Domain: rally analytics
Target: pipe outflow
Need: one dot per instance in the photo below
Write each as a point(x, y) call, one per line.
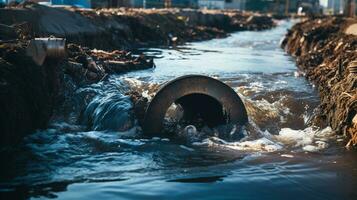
point(41, 48)
point(215, 102)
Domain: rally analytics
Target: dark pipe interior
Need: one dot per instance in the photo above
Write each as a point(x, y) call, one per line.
point(200, 109)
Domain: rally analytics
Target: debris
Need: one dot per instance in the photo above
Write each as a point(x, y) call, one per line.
point(87, 66)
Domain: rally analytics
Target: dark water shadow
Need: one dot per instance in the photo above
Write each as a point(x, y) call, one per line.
point(46, 190)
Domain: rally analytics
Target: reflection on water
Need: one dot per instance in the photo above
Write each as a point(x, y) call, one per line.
point(97, 150)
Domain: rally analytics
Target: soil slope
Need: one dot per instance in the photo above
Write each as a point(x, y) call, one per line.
point(324, 50)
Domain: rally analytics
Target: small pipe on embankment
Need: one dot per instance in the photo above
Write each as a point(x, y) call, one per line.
point(325, 51)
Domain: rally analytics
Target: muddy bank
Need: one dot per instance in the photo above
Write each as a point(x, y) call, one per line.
point(30, 93)
point(128, 28)
point(324, 50)
point(27, 93)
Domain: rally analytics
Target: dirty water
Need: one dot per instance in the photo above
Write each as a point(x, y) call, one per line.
point(101, 152)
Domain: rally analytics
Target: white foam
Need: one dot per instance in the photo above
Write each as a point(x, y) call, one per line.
point(295, 137)
point(262, 144)
point(145, 94)
point(133, 82)
point(309, 139)
point(287, 155)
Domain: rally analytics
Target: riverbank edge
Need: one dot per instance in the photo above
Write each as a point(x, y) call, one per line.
point(31, 93)
point(324, 50)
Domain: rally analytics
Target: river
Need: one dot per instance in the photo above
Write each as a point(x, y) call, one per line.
point(100, 153)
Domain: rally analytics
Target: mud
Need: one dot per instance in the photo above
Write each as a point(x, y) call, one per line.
point(324, 52)
point(30, 94)
point(27, 92)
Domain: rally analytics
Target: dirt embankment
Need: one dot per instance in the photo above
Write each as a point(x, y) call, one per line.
point(29, 93)
point(127, 28)
point(324, 50)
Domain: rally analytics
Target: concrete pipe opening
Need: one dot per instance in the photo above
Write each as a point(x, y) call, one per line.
point(200, 98)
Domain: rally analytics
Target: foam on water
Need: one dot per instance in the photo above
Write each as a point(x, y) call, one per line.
point(310, 140)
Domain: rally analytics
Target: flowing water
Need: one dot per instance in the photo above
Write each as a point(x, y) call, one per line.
point(97, 151)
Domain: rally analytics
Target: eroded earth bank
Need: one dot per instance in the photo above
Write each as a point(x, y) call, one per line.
point(325, 51)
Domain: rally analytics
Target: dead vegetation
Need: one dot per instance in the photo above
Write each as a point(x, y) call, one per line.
point(324, 53)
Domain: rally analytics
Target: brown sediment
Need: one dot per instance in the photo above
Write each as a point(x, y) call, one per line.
point(324, 52)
